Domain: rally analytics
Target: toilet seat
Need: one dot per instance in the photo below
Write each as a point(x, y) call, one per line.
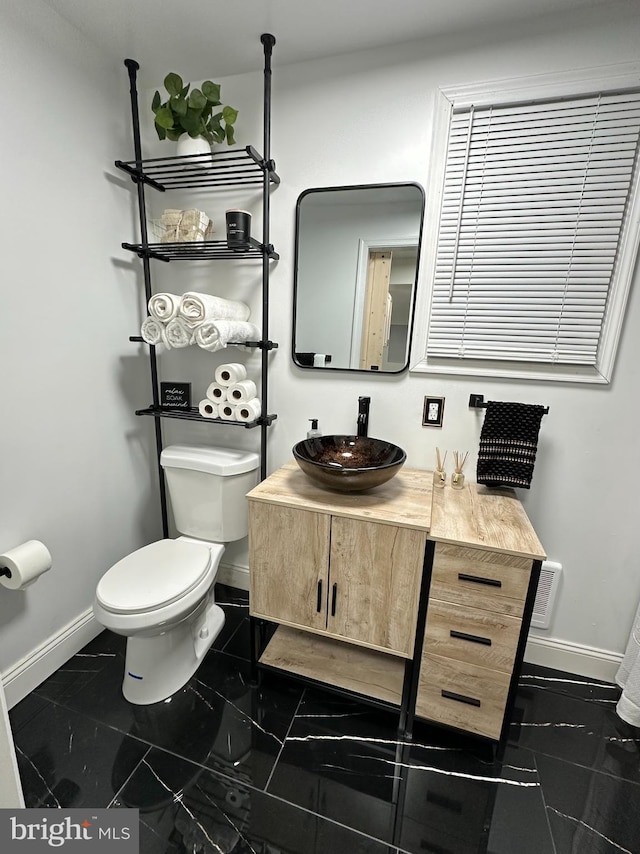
point(115, 609)
point(154, 576)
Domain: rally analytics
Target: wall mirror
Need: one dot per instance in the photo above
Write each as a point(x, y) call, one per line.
point(356, 264)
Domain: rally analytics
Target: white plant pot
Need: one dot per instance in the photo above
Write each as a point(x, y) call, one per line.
point(187, 145)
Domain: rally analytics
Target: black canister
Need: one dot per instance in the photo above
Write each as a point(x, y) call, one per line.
point(238, 229)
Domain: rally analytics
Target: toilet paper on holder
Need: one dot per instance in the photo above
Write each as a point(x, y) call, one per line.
point(24, 564)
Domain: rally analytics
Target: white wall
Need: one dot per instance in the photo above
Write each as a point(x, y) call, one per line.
point(75, 461)
point(367, 118)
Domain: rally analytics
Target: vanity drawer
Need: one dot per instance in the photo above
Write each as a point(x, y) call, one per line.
point(462, 695)
point(491, 581)
point(472, 635)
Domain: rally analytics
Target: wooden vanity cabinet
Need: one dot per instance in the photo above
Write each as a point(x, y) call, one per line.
point(340, 576)
point(477, 603)
point(471, 637)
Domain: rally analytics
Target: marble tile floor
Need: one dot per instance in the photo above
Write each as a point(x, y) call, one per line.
point(227, 767)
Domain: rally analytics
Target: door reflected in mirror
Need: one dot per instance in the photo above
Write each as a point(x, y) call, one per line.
point(357, 256)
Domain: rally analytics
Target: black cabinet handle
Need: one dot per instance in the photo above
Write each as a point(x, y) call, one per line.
point(319, 600)
point(473, 638)
point(460, 698)
point(334, 593)
point(478, 579)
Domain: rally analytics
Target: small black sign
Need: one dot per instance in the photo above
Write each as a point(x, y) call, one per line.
point(175, 395)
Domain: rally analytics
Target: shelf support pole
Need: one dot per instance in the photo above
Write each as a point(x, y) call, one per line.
point(132, 68)
point(268, 42)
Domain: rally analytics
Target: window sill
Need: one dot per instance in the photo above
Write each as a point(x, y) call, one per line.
point(510, 370)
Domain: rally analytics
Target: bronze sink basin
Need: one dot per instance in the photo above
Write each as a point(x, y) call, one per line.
point(348, 463)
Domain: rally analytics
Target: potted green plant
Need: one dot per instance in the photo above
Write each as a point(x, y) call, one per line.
point(190, 112)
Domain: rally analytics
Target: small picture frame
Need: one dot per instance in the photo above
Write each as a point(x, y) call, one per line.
point(175, 395)
point(433, 412)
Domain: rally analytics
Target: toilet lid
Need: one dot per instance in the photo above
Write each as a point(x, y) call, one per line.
point(153, 576)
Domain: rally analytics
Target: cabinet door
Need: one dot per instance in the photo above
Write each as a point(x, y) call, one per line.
point(289, 564)
point(374, 584)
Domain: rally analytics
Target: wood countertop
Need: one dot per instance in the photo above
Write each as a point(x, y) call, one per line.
point(476, 516)
point(405, 500)
point(484, 518)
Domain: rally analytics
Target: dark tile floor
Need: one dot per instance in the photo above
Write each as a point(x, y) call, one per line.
point(224, 767)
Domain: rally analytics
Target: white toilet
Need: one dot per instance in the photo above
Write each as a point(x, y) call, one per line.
point(161, 596)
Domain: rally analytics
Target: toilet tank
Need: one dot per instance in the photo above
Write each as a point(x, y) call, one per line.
point(207, 488)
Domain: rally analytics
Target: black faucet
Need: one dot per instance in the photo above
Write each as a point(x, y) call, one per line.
point(363, 415)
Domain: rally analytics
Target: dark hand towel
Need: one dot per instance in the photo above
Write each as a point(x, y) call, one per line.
point(508, 444)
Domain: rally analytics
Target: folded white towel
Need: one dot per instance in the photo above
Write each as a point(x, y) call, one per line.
point(153, 332)
point(230, 373)
point(197, 308)
point(213, 335)
point(242, 392)
point(164, 306)
point(248, 411)
point(179, 333)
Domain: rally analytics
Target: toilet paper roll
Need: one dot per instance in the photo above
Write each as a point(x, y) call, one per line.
point(230, 373)
point(242, 392)
point(24, 564)
point(227, 411)
point(207, 408)
point(217, 393)
point(248, 411)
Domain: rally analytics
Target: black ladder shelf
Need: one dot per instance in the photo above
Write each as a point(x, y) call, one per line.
point(242, 167)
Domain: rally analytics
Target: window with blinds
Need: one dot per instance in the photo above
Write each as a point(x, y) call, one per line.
point(535, 200)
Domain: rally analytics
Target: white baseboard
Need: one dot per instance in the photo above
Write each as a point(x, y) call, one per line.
point(234, 576)
point(572, 657)
point(21, 679)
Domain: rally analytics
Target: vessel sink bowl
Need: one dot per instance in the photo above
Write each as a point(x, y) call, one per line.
point(348, 463)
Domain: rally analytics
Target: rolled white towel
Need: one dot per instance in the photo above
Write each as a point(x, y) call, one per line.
point(197, 308)
point(230, 373)
point(213, 335)
point(179, 333)
point(153, 332)
point(248, 411)
point(242, 392)
point(164, 306)
point(227, 411)
point(217, 393)
point(207, 408)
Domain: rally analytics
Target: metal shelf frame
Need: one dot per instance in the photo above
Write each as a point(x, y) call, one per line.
point(206, 250)
point(243, 167)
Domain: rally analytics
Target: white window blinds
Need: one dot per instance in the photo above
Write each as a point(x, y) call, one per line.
point(533, 207)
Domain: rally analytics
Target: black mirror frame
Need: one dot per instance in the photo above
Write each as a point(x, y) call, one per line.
point(313, 190)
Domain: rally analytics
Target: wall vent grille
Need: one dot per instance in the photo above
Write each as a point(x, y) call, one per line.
point(546, 595)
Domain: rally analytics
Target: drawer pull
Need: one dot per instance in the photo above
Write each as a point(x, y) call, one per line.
point(478, 579)
point(319, 601)
point(334, 593)
point(473, 638)
point(460, 698)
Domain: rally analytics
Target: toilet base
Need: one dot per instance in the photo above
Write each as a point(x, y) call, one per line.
point(158, 666)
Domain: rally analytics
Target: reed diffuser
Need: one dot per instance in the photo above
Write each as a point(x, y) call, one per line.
point(457, 478)
point(440, 476)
